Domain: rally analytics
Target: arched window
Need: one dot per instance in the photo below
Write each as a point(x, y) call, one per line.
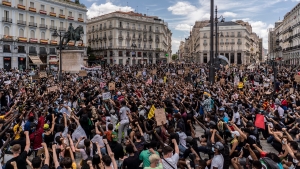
point(43, 35)
point(6, 30)
point(32, 34)
point(21, 33)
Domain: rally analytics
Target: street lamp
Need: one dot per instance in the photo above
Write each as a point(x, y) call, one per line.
point(55, 35)
point(211, 66)
point(217, 43)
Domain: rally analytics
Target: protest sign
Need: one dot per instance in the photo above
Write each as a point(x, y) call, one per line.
point(102, 84)
point(297, 78)
point(82, 73)
point(154, 72)
point(106, 96)
point(112, 86)
point(139, 73)
point(180, 72)
point(259, 121)
point(291, 90)
point(43, 74)
point(256, 84)
point(78, 132)
point(52, 89)
point(160, 116)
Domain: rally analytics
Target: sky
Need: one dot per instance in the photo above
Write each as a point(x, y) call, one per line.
point(181, 15)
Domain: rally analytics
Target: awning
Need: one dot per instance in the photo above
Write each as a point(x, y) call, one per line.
point(53, 61)
point(36, 60)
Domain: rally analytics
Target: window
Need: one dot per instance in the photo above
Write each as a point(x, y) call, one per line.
point(61, 12)
point(110, 33)
point(43, 21)
point(120, 43)
point(43, 35)
point(80, 15)
point(6, 30)
point(21, 2)
point(52, 22)
point(32, 50)
point(52, 51)
point(139, 46)
point(120, 32)
point(21, 49)
point(156, 45)
point(120, 24)
point(42, 7)
point(150, 46)
point(32, 19)
point(120, 53)
point(127, 34)
point(70, 13)
point(32, 34)
point(21, 33)
point(52, 9)
point(6, 14)
point(32, 4)
point(150, 28)
point(6, 48)
point(61, 24)
point(20, 17)
point(145, 45)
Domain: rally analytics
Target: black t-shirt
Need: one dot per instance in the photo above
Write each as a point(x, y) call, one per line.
point(117, 149)
point(132, 162)
point(21, 141)
point(20, 160)
point(45, 166)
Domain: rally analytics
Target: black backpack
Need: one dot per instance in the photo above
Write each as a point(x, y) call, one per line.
point(269, 163)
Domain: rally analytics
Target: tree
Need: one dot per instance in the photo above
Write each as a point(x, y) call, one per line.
point(174, 57)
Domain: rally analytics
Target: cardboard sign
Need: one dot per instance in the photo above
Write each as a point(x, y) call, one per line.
point(297, 78)
point(35, 77)
point(82, 73)
point(291, 90)
point(43, 74)
point(160, 116)
point(180, 72)
point(256, 84)
point(106, 96)
point(226, 67)
point(222, 81)
point(78, 132)
point(139, 74)
point(154, 72)
point(168, 73)
point(52, 89)
point(112, 86)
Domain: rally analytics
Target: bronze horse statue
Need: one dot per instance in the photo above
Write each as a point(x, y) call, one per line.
point(76, 35)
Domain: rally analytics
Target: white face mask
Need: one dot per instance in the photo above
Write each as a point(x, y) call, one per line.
point(206, 119)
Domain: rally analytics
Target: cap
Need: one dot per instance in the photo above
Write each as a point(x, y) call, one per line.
point(46, 126)
point(189, 139)
point(112, 111)
point(141, 106)
point(212, 123)
point(222, 109)
point(219, 146)
point(114, 136)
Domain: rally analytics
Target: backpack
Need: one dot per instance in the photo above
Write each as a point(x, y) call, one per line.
point(268, 163)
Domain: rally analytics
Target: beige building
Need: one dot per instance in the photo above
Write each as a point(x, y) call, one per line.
point(27, 26)
point(284, 39)
point(129, 38)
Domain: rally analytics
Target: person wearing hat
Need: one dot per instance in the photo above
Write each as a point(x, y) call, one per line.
point(217, 161)
point(116, 147)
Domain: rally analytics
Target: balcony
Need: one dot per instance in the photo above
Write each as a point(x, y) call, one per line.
point(120, 37)
point(145, 30)
point(104, 27)
point(205, 43)
point(110, 26)
point(239, 43)
point(33, 40)
point(20, 6)
point(150, 40)
point(20, 50)
point(139, 29)
point(80, 19)
point(7, 38)
point(157, 31)
point(6, 3)
point(232, 43)
point(52, 14)
point(127, 27)
point(70, 18)
point(43, 26)
point(205, 36)
point(62, 16)
point(120, 27)
point(104, 38)
point(139, 39)
point(6, 50)
point(43, 12)
point(232, 36)
point(32, 9)
point(6, 19)
point(133, 28)
point(43, 41)
point(221, 43)
point(32, 24)
point(110, 37)
point(128, 38)
point(226, 35)
point(145, 39)
point(226, 43)
point(133, 39)
point(157, 40)
point(52, 27)
point(21, 22)
point(61, 29)
point(239, 35)
point(53, 42)
point(22, 39)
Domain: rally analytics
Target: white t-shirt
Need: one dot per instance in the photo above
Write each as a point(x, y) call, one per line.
point(217, 161)
point(182, 139)
point(172, 161)
point(236, 115)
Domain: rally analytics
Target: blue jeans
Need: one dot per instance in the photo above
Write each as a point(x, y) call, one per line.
point(181, 149)
point(270, 139)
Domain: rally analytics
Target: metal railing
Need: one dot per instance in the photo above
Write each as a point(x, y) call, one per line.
point(32, 24)
point(21, 22)
point(6, 19)
point(43, 26)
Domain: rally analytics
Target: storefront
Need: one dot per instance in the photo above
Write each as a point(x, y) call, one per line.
point(7, 63)
point(21, 63)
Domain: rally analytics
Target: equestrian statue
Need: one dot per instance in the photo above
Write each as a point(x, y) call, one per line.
point(73, 34)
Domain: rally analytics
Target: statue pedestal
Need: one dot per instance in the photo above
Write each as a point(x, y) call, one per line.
point(72, 60)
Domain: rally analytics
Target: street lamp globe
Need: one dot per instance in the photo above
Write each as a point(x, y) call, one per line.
point(55, 34)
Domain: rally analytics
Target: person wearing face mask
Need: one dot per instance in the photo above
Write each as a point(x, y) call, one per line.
point(155, 162)
point(218, 160)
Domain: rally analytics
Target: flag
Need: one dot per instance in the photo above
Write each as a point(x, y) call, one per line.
point(260, 121)
point(151, 112)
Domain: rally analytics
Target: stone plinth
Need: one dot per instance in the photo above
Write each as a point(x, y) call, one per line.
point(72, 60)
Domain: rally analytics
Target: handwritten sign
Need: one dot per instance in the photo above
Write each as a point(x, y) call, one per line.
point(82, 73)
point(160, 116)
point(78, 132)
point(139, 74)
point(106, 96)
point(52, 89)
point(112, 86)
point(154, 72)
point(43, 74)
point(297, 78)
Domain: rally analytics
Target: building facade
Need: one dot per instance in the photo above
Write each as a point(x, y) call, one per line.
point(236, 42)
point(26, 38)
point(284, 39)
point(129, 38)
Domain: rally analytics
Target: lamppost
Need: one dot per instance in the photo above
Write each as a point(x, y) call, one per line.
point(274, 64)
point(217, 43)
point(211, 66)
point(133, 45)
point(55, 34)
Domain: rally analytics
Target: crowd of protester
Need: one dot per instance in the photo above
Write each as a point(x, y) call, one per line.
point(47, 123)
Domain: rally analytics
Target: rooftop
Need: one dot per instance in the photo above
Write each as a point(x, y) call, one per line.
point(230, 23)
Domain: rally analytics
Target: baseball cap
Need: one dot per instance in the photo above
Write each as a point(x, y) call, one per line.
point(219, 146)
point(46, 126)
point(114, 136)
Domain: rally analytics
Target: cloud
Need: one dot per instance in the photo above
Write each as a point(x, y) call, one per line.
point(261, 29)
point(182, 8)
point(175, 45)
point(108, 7)
point(229, 14)
point(183, 27)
